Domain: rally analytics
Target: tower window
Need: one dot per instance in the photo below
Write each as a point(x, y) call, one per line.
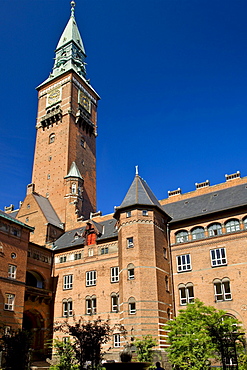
point(83, 142)
point(114, 302)
point(51, 138)
point(131, 271)
point(73, 188)
point(9, 302)
point(128, 214)
point(12, 272)
point(130, 242)
point(132, 306)
point(145, 212)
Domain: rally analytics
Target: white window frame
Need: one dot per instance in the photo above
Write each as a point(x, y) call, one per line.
point(131, 273)
point(186, 295)
point(73, 188)
point(184, 262)
point(91, 278)
point(12, 271)
point(130, 242)
point(9, 302)
point(114, 274)
point(91, 306)
point(114, 303)
point(218, 257)
point(198, 233)
point(67, 282)
point(67, 308)
point(90, 252)
point(132, 308)
point(232, 226)
point(128, 214)
point(215, 229)
point(182, 236)
point(116, 340)
point(222, 294)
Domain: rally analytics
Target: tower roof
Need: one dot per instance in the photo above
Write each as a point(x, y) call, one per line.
point(74, 171)
point(71, 32)
point(140, 194)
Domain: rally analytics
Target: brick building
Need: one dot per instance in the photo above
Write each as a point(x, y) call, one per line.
point(137, 266)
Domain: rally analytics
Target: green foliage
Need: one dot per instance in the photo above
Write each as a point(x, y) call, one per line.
point(196, 335)
point(66, 354)
point(17, 350)
point(88, 338)
point(144, 348)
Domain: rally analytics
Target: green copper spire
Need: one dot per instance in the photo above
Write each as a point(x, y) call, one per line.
point(70, 52)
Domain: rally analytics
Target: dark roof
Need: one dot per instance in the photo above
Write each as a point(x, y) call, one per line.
point(204, 204)
point(48, 211)
point(12, 219)
point(139, 193)
point(68, 239)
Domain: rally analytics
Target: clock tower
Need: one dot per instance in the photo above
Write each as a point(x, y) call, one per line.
point(64, 169)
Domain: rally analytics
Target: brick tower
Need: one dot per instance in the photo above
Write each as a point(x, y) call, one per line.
point(64, 169)
point(144, 263)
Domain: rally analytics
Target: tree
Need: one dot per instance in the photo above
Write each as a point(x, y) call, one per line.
point(144, 348)
point(197, 335)
point(17, 350)
point(88, 338)
point(66, 355)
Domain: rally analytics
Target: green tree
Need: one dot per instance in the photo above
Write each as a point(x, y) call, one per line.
point(144, 348)
point(88, 337)
point(197, 335)
point(17, 350)
point(66, 356)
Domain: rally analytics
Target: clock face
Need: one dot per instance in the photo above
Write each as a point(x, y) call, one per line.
point(85, 102)
point(54, 97)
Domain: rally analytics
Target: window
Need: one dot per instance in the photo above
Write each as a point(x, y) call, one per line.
point(12, 272)
point(131, 271)
point(198, 233)
point(68, 282)
point(48, 176)
point(13, 255)
point(128, 214)
point(130, 242)
point(9, 302)
point(73, 188)
point(83, 143)
point(218, 257)
point(77, 256)
point(116, 340)
point(67, 307)
point(104, 250)
point(90, 278)
point(182, 236)
point(165, 252)
point(51, 138)
point(91, 305)
point(167, 283)
point(215, 229)
point(114, 274)
point(65, 340)
point(183, 263)
point(62, 259)
point(168, 314)
point(145, 212)
point(132, 306)
point(186, 293)
point(232, 225)
point(222, 290)
point(114, 302)
point(90, 252)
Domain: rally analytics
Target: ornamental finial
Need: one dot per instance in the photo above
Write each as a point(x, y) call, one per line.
point(72, 8)
point(136, 170)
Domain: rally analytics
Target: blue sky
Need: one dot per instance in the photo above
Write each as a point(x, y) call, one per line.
point(172, 78)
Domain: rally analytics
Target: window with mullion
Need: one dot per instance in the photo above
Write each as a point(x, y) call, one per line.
point(114, 274)
point(67, 282)
point(183, 263)
point(12, 272)
point(90, 278)
point(218, 257)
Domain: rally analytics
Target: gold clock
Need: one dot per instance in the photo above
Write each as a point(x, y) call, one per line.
point(54, 97)
point(85, 102)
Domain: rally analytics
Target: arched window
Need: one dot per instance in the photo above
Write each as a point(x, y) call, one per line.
point(198, 233)
point(67, 307)
point(214, 229)
point(91, 307)
point(222, 290)
point(232, 226)
point(52, 138)
point(131, 271)
point(73, 188)
point(182, 236)
point(186, 293)
point(114, 302)
point(245, 222)
point(132, 306)
point(34, 279)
